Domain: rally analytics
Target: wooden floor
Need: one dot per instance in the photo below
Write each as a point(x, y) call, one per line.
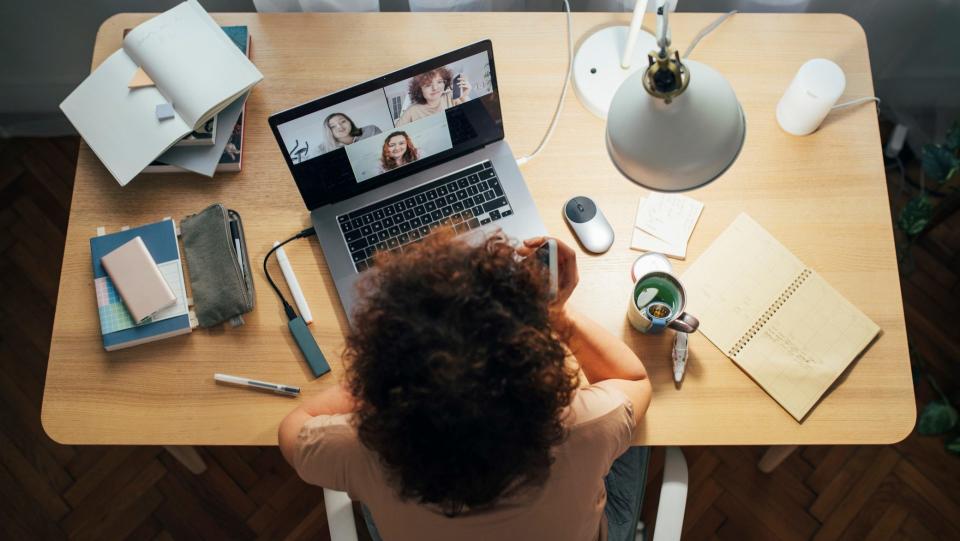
point(48, 491)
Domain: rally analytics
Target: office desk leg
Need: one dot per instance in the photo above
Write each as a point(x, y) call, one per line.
point(774, 456)
point(188, 456)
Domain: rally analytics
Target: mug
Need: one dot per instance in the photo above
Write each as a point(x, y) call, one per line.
point(657, 302)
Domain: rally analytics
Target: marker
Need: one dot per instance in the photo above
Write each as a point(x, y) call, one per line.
point(235, 234)
point(286, 390)
point(294, 285)
point(679, 355)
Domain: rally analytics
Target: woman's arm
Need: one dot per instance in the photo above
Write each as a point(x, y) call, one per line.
point(604, 357)
point(329, 402)
point(601, 355)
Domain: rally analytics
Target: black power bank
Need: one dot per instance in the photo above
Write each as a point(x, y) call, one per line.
point(308, 346)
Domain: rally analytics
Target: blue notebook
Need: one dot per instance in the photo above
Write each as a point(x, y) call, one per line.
point(116, 325)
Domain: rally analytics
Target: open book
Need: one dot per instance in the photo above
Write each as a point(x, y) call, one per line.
point(779, 320)
point(195, 67)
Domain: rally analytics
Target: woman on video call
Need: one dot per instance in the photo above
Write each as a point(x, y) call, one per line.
point(432, 92)
point(340, 130)
point(398, 149)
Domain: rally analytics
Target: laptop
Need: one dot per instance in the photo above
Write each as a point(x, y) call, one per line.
point(384, 164)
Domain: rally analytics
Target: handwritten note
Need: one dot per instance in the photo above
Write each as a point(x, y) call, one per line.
point(664, 224)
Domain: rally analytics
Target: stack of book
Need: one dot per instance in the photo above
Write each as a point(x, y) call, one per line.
point(117, 326)
point(170, 99)
point(219, 147)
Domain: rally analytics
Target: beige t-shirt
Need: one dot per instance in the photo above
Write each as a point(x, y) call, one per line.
point(418, 111)
point(568, 506)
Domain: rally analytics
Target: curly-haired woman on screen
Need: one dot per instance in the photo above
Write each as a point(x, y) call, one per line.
point(431, 93)
point(398, 149)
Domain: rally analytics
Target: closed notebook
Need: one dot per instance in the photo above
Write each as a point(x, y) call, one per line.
point(116, 324)
point(138, 280)
point(775, 317)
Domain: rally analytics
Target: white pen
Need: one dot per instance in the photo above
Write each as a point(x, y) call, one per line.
point(294, 285)
point(278, 388)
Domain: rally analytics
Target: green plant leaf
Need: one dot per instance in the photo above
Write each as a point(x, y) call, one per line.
point(939, 163)
point(936, 418)
point(915, 215)
point(953, 137)
point(953, 445)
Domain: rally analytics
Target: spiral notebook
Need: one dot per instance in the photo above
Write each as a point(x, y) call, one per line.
point(776, 318)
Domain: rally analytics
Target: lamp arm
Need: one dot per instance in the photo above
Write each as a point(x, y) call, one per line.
point(638, 10)
point(663, 27)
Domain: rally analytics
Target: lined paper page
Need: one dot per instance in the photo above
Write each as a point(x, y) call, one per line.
point(806, 345)
point(736, 280)
point(798, 333)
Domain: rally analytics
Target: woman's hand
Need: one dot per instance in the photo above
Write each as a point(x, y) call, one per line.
point(464, 89)
point(567, 274)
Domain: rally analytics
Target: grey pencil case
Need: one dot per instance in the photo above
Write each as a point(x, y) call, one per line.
point(222, 290)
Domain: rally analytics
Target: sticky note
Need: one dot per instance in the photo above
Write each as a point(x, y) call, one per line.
point(140, 79)
point(664, 223)
point(164, 111)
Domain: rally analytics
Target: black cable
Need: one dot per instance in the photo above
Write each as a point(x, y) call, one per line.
point(308, 232)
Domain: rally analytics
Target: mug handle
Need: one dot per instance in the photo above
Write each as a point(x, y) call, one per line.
point(685, 323)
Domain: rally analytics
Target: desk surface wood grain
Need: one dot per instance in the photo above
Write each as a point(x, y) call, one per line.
point(823, 196)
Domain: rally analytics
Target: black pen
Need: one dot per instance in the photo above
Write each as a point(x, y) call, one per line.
point(235, 234)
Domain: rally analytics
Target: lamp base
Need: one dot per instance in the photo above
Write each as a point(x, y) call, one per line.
point(597, 73)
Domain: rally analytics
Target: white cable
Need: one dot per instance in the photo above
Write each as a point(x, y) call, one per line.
point(706, 30)
point(856, 102)
point(563, 93)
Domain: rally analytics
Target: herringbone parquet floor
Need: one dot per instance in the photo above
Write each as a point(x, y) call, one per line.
point(48, 491)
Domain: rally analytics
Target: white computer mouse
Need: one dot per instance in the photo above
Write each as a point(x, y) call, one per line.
point(589, 224)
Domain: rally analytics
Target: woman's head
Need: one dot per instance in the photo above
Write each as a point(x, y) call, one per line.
point(460, 377)
point(340, 130)
point(427, 88)
point(398, 149)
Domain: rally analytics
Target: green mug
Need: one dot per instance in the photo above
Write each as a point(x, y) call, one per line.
point(657, 302)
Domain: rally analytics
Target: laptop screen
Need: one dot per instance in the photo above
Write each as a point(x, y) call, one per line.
point(363, 137)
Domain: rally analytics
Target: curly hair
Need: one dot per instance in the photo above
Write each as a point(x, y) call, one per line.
point(415, 89)
point(410, 155)
point(460, 378)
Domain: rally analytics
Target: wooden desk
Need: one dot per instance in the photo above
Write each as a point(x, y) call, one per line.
point(823, 196)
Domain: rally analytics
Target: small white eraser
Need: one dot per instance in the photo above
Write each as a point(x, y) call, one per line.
point(164, 111)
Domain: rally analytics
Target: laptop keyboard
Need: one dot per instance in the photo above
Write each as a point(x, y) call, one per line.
point(467, 199)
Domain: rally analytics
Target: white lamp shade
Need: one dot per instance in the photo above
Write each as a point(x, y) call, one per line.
point(681, 145)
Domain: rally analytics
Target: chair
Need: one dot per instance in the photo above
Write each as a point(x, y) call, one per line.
point(673, 502)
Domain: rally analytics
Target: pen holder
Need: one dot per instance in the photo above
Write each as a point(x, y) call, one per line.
point(222, 289)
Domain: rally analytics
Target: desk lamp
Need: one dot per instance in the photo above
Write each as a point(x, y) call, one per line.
point(676, 125)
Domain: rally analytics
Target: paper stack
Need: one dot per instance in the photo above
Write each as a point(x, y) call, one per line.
point(196, 69)
point(664, 224)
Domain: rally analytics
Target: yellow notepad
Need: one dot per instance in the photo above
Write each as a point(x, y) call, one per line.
point(776, 318)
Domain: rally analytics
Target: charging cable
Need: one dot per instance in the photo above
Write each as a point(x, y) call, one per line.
point(857, 101)
point(287, 308)
point(301, 335)
point(563, 92)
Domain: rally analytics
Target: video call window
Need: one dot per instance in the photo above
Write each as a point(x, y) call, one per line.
point(391, 127)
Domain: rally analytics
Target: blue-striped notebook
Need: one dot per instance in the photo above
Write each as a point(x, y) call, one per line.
point(116, 325)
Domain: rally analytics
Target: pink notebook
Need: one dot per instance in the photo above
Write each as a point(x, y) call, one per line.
point(138, 280)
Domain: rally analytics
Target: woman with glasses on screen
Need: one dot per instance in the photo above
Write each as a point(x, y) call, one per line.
point(340, 130)
point(398, 149)
point(432, 92)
